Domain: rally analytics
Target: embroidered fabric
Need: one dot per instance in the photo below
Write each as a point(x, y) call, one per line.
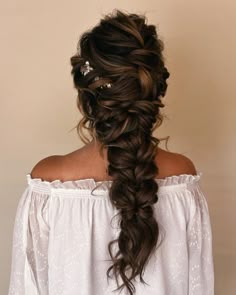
point(62, 230)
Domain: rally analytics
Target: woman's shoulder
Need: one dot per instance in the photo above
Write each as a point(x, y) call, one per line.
point(48, 168)
point(65, 167)
point(77, 165)
point(171, 163)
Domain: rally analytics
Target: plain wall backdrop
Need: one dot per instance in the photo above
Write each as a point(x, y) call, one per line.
point(38, 101)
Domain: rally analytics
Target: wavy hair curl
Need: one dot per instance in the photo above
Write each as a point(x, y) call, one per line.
point(125, 51)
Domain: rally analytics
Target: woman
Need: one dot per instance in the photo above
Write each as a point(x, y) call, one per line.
point(120, 213)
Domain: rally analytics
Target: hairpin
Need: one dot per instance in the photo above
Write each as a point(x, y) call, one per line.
point(86, 68)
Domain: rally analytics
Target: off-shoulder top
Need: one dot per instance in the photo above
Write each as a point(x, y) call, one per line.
point(62, 230)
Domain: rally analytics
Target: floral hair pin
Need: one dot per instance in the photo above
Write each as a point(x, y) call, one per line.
point(86, 68)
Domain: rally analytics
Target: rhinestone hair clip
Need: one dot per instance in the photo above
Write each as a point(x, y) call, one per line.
point(86, 68)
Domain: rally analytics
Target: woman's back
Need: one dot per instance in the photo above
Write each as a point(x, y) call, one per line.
point(63, 225)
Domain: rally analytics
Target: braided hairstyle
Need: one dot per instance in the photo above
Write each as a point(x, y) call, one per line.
point(126, 52)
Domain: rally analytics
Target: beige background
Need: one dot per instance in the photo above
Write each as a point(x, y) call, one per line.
point(38, 102)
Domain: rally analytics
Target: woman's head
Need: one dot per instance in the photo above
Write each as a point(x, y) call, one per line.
point(120, 98)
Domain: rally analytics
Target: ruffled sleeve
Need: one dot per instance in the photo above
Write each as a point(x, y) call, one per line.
point(199, 237)
point(29, 264)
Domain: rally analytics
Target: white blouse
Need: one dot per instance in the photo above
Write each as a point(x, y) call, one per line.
point(62, 230)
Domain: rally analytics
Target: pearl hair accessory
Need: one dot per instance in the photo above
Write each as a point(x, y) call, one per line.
point(86, 68)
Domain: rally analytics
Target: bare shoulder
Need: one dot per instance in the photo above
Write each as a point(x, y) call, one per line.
point(65, 167)
point(61, 167)
point(170, 163)
point(49, 168)
point(185, 164)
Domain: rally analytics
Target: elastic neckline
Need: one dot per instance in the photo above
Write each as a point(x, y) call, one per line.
point(90, 183)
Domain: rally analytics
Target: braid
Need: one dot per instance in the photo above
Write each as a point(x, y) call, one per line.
point(123, 118)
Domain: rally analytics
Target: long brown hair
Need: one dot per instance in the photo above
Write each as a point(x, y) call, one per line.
point(126, 52)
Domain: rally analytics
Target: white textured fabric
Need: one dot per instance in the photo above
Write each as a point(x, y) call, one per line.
point(62, 230)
